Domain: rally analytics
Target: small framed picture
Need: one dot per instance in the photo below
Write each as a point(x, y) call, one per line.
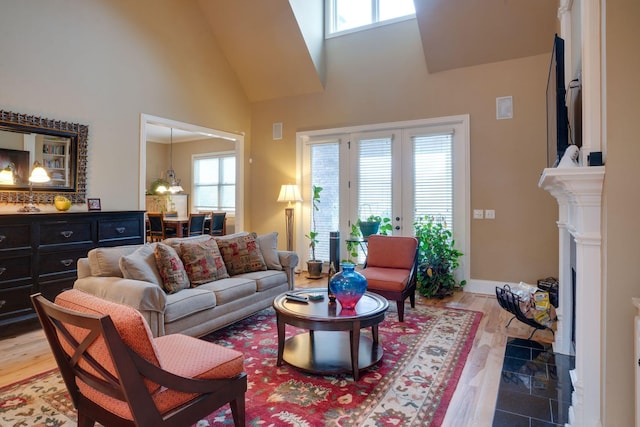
point(94, 204)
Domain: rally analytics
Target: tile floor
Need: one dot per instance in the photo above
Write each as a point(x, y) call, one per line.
point(535, 387)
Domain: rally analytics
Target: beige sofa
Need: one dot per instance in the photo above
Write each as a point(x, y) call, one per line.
point(109, 273)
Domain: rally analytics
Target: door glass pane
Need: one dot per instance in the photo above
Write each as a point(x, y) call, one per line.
point(325, 173)
point(433, 172)
point(374, 178)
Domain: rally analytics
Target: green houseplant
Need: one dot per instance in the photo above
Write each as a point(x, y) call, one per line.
point(437, 258)
point(314, 266)
point(382, 227)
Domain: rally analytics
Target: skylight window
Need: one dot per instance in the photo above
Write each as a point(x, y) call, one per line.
point(353, 15)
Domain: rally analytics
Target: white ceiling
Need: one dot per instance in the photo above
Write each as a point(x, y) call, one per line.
point(265, 45)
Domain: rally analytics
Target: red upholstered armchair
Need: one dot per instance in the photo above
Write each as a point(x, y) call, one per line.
point(119, 375)
point(391, 269)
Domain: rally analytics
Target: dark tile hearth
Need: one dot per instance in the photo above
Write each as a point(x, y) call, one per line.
point(535, 387)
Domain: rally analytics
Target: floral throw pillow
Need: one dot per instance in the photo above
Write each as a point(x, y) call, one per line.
point(241, 254)
point(203, 262)
point(171, 269)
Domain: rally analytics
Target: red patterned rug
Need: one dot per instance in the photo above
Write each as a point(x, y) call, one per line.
point(412, 385)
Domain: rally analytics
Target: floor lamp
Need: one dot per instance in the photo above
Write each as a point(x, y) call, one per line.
point(289, 193)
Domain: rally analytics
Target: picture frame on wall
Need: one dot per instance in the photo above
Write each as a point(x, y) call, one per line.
point(94, 204)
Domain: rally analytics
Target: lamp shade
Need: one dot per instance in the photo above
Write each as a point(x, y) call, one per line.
point(289, 193)
point(38, 174)
point(7, 177)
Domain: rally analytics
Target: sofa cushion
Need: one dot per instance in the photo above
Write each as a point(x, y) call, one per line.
point(171, 268)
point(241, 254)
point(265, 280)
point(187, 302)
point(203, 262)
point(105, 262)
point(175, 242)
point(141, 265)
point(269, 249)
point(227, 290)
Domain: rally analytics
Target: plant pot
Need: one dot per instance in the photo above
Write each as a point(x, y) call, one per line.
point(368, 228)
point(314, 268)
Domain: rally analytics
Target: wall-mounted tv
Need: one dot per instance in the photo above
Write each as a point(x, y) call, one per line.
point(557, 115)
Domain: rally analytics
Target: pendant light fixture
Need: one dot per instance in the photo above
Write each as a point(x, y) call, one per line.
point(174, 183)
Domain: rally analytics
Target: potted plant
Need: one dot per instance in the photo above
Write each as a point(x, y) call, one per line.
point(314, 266)
point(437, 258)
point(360, 230)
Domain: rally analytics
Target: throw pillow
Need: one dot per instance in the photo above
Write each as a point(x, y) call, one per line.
point(203, 262)
point(241, 254)
point(269, 249)
point(141, 265)
point(174, 276)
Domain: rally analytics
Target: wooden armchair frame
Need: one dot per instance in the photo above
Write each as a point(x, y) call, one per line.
point(129, 385)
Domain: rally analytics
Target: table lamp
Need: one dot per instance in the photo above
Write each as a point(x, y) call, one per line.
point(38, 175)
point(289, 193)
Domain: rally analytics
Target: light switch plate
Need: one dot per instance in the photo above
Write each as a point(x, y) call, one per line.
point(478, 214)
point(490, 214)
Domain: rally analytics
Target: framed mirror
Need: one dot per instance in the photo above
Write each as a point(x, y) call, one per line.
point(60, 147)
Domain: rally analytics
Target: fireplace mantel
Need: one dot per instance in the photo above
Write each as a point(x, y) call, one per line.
point(578, 191)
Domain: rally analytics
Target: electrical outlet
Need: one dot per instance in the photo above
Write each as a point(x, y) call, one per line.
point(490, 214)
point(478, 214)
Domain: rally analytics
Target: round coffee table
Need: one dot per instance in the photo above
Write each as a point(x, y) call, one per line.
point(333, 343)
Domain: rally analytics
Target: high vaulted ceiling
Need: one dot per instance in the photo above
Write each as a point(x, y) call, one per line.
point(269, 45)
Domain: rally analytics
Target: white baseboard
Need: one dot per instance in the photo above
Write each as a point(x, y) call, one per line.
point(487, 287)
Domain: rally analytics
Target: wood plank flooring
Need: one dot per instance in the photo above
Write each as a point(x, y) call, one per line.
point(24, 352)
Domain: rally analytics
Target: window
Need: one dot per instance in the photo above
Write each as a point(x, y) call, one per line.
point(345, 15)
point(214, 182)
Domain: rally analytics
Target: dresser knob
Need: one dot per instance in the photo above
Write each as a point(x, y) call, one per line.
point(2, 237)
point(66, 262)
point(2, 270)
point(121, 230)
point(2, 303)
point(67, 233)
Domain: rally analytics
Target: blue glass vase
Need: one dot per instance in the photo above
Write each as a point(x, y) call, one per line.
point(348, 286)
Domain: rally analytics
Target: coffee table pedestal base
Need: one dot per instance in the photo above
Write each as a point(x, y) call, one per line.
point(329, 352)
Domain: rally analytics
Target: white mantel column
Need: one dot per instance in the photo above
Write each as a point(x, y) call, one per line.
point(579, 194)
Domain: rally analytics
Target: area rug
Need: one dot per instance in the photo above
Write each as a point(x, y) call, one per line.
point(412, 385)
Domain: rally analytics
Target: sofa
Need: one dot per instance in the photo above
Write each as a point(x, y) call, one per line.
point(192, 285)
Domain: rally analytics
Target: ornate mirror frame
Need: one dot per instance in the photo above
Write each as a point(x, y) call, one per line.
point(77, 133)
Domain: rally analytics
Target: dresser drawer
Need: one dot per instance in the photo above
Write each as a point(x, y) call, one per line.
point(54, 233)
point(15, 301)
point(50, 289)
point(118, 229)
point(60, 261)
point(15, 268)
point(15, 236)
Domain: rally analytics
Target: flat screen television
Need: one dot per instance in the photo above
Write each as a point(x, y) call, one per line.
point(557, 115)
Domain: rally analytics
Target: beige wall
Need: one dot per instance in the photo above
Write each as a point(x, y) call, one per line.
point(385, 80)
point(621, 228)
point(104, 62)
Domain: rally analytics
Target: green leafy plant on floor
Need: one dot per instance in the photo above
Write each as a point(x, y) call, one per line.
point(437, 258)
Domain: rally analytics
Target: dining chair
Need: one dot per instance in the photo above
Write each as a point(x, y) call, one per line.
point(117, 374)
point(390, 269)
point(218, 224)
point(156, 226)
point(170, 231)
point(195, 227)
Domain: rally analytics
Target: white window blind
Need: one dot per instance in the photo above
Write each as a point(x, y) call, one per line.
point(374, 178)
point(325, 173)
point(433, 176)
point(214, 183)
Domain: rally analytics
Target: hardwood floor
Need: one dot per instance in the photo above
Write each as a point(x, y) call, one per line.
point(24, 352)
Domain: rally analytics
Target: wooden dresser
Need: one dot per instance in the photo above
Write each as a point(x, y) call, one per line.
point(39, 252)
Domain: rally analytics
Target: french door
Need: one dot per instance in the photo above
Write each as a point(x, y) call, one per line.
point(400, 171)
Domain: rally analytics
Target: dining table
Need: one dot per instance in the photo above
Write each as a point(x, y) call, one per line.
point(181, 224)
